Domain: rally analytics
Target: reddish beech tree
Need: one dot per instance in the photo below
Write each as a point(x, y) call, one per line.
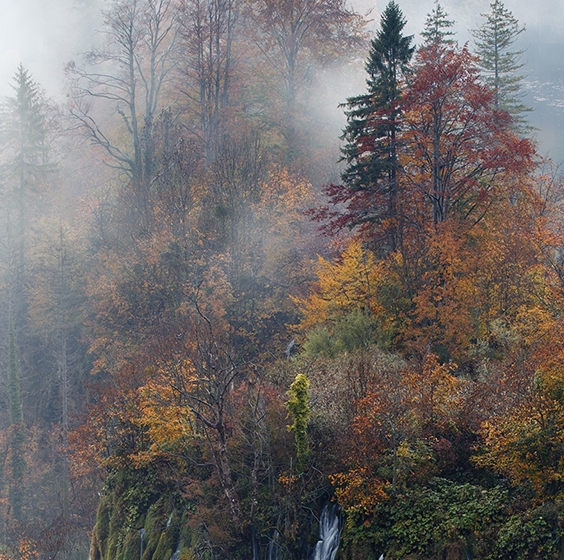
point(458, 147)
point(455, 149)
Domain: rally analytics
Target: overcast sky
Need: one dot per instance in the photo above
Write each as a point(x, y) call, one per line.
point(45, 34)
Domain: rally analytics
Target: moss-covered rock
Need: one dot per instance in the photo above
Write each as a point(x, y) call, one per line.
point(137, 522)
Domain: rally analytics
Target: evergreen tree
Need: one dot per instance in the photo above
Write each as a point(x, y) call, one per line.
point(298, 407)
point(371, 145)
point(17, 430)
point(437, 27)
point(27, 164)
point(499, 62)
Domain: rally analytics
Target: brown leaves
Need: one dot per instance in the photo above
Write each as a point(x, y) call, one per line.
point(402, 430)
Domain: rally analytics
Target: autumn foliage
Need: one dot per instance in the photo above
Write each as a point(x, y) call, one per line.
point(197, 358)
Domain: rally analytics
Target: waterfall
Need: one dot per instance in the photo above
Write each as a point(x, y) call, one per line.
point(272, 550)
point(255, 545)
point(176, 555)
point(142, 534)
point(329, 534)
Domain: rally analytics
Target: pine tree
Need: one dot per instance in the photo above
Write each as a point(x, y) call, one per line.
point(498, 61)
point(437, 27)
point(371, 145)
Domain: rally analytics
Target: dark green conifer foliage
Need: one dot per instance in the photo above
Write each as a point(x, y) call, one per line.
point(437, 27)
point(17, 430)
point(298, 407)
point(499, 62)
point(371, 146)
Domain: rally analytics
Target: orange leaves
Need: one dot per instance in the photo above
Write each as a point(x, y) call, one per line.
point(526, 444)
point(474, 276)
point(137, 420)
point(524, 435)
point(402, 424)
point(348, 285)
point(359, 491)
point(26, 550)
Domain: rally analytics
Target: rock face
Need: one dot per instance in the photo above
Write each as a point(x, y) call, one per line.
point(154, 530)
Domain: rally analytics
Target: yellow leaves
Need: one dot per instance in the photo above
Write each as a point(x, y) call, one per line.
point(168, 423)
point(138, 419)
point(358, 491)
point(533, 323)
point(524, 436)
point(528, 448)
point(435, 393)
point(343, 287)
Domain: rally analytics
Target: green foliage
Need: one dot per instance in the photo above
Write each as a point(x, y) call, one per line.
point(426, 520)
point(456, 519)
point(298, 407)
point(101, 532)
point(437, 27)
point(526, 536)
point(207, 292)
point(499, 61)
point(132, 506)
point(372, 121)
point(349, 333)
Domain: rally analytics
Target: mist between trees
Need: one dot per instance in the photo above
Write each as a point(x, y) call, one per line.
point(218, 311)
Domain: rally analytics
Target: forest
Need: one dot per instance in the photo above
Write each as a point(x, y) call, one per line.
point(221, 318)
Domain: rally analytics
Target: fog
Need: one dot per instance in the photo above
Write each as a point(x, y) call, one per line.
point(44, 35)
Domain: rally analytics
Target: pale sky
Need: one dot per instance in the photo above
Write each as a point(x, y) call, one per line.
point(45, 34)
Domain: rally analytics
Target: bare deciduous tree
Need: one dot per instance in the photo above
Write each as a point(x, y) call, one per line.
point(129, 74)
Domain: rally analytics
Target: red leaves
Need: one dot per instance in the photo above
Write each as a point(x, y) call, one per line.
point(457, 145)
point(454, 148)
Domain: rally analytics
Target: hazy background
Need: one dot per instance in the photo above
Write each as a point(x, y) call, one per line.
point(45, 34)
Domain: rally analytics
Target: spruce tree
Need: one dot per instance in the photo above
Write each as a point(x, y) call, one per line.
point(17, 430)
point(437, 27)
point(499, 62)
point(371, 144)
point(24, 140)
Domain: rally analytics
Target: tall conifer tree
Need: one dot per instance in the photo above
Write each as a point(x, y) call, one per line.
point(27, 164)
point(17, 430)
point(437, 27)
point(371, 132)
point(499, 61)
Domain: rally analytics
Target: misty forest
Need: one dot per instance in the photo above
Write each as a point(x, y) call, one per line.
point(232, 329)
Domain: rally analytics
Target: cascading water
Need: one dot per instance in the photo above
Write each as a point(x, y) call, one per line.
point(329, 534)
point(142, 534)
point(176, 555)
point(272, 550)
